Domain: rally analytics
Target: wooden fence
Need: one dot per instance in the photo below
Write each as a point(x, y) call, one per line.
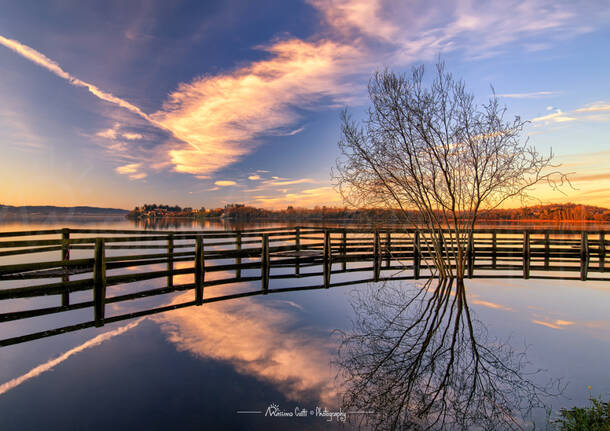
point(259, 255)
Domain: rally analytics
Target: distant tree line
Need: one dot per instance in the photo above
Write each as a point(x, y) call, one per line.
point(551, 212)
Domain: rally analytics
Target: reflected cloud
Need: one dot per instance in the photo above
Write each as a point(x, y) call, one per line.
point(557, 324)
point(490, 304)
point(50, 364)
point(258, 340)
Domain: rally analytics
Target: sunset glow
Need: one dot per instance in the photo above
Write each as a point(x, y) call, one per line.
point(205, 106)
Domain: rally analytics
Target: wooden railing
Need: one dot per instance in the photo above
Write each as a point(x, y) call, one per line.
point(492, 253)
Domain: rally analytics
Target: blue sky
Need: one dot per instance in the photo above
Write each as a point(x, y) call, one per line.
point(205, 103)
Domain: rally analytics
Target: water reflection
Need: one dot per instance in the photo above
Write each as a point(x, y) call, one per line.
point(261, 340)
point(282, 343)
point(420, 360)
point(51, 363)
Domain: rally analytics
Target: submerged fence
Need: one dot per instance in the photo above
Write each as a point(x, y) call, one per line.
point(216, 258)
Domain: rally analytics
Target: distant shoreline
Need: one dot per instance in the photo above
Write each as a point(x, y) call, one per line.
point(55, 211)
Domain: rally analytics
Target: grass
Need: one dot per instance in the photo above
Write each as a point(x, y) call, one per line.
point(594, 417)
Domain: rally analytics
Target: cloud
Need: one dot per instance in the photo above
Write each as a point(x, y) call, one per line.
point(138, 176)
point(108, 133)
point(557, 117)
point(295, 131)
point(243, 105)
point(420, 30)
point(318, 196)
point(590, 177)
point(225, 183)
point(490, 304)
point(597, 111)
point(217, 120)
point(96, 341)
point(43, 61)
point(132, 170)
point(533, 95)
point(254, 177)
point(557, 324)
point(132, 136)
point(233, 332)
point(17, 131)
point(595, 107)
point(289, 182)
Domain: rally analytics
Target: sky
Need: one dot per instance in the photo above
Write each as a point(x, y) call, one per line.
point(115, 103)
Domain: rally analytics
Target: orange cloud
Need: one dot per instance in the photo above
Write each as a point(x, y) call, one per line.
point(557, 324)
point(557, 117)
point(595, 107)
point(591, 177)
point(490, 304)
point(217, 120)
point(108, 133)
point(290, 182)
point(223, 115)
point(225, 183)
point(132, 170)
point(268, 349)
point(306, 198)
point(132, 136)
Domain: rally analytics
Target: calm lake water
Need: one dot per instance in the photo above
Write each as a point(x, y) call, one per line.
point(203, 367)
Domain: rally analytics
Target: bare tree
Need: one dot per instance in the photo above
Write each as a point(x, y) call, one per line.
point(418, 360)
point(433, 151)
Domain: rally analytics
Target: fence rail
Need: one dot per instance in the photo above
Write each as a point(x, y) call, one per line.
point(260, 255)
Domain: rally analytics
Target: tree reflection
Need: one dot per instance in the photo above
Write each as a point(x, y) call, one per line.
point(419, 360)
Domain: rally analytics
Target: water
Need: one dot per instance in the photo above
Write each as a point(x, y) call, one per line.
point(203, 367)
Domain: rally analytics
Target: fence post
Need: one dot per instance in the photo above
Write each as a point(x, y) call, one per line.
point(376, 255)
point(297, 247)
point(470, 254)
point(297, 238)
point(65, 256)
point(388, 248)
point(547, 250)
point(344, 249)
point(441, 245)
point(526, 255)
point(238, 258)
point(265, 262)
point(416, 255)
point(494, 249)
point(199, 270)
point(170, 259)
point(327, 259)
point(584, 255)
point(99, 282)
point(602, 251)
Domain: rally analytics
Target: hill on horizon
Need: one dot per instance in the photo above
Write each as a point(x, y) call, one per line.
point(32, 210)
